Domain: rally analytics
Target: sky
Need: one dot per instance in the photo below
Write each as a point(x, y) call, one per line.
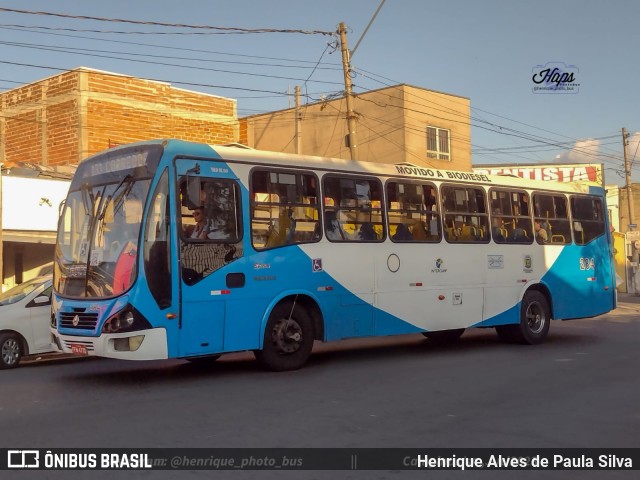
point(487, 51)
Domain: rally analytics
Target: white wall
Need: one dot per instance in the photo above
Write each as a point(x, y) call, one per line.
point(31, 203)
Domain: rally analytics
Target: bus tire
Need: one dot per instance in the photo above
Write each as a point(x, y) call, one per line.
point(443, 337)
point(535, 318)
point(10, 350)
point(288, 339)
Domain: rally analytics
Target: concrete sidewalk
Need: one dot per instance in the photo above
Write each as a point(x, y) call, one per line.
point(628, 298)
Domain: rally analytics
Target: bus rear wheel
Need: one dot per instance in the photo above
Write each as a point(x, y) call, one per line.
point(288, 339)
point(535, 317)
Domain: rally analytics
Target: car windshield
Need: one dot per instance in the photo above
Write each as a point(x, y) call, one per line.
point(18, 292)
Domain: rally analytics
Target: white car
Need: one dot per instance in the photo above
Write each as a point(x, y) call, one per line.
point(25, 315)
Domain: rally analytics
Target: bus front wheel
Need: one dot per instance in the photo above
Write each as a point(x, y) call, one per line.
point(288, 338)
point(535, 317)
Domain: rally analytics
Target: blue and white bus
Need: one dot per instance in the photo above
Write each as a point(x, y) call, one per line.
point(171, 249)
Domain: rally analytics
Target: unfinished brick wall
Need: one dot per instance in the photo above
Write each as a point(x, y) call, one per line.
point(62, 133)
point(23, 136)
point(65, 118)
point(122, 110)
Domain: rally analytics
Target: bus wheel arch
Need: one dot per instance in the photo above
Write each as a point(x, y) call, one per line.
point(288, 335)
point(534, 318)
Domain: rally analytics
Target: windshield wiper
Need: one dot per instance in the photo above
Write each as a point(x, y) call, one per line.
point(87, 199)
point(104, 205)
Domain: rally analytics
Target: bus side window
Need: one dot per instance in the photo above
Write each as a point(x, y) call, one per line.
point(412, 212)
point(465, 217)
point(357, 206)
point(511, 218)
point(552, 212)
point(284, 208)
point(588, 220)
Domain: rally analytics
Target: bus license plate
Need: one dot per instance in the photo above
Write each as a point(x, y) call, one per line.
point(79, 349)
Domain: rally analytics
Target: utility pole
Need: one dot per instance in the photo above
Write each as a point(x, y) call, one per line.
point(627, 172)
point(346, 67)
point(298, 121)
point(632, 217)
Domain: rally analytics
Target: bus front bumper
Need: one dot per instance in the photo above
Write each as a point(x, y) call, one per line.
point(141, 345)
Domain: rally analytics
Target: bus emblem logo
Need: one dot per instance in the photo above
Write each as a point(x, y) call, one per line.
point(316, 265)
point(439, 265)
point(75, 321)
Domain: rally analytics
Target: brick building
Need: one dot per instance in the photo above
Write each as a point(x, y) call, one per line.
point(65, 118)
point(60, 120)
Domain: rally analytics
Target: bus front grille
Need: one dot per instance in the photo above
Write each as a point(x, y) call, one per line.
point(80, 321)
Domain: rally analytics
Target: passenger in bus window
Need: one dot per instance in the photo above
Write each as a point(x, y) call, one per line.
point(402, 234)
point(419, 232)
point(497, 230)
point(200, 228)
point(333, 228)
point(520, 233)
point(541, 234)
point(282, 232)
point(367, 232)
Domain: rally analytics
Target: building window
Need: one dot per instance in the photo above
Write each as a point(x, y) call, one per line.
point(438, 143)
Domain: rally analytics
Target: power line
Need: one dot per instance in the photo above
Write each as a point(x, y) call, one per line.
point(22, 28)
point(176, 82)
point(166, 64)
point(170, 25)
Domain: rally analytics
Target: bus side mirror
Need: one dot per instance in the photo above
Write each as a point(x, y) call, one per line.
point(193, 192)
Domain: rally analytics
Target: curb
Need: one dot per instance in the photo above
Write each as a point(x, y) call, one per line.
point(46, 357)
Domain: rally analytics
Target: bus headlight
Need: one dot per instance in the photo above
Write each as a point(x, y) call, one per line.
point(126, 320)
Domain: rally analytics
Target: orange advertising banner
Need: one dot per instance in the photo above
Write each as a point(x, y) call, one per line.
point(578, 172)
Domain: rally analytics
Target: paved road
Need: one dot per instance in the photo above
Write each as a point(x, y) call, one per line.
point(579, 389)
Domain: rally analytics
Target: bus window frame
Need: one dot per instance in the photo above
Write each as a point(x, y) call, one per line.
point(438, 212)
point(509, 239)
point(567, 219)
point(252, 202)
point(187, 202)
point(573, 220)
point(336, 208)
point(444, 212)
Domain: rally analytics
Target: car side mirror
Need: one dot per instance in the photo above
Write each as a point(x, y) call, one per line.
point(41, 300)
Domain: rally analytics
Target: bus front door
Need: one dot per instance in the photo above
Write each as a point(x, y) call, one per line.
point(209, 239)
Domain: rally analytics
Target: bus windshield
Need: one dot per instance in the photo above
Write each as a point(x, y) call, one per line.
point(97, 245)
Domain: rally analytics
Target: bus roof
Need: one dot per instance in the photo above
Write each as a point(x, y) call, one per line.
point(241, 153)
